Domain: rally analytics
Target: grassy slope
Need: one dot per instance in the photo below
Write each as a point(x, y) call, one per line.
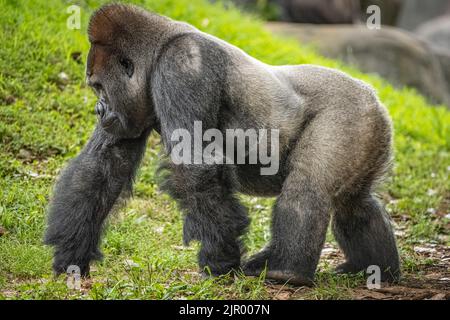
point(45, 120)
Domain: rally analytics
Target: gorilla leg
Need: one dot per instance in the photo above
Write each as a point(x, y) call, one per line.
point(333, 155)
point(362, 229)
point(213, 215)
point(84, 195)
point(300, 220)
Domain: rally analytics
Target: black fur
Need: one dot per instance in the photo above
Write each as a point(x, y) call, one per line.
point(363, 231)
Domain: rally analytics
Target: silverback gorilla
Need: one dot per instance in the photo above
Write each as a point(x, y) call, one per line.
point(153, 73)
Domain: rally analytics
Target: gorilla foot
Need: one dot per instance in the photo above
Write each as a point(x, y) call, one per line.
point(264, 262)
point(283, 277)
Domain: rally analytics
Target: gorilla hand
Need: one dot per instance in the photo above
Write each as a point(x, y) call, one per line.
point(108, 119)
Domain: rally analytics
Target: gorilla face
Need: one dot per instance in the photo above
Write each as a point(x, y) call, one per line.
point(124, 106)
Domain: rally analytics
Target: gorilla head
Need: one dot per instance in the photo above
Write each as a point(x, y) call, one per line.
point(117, 71)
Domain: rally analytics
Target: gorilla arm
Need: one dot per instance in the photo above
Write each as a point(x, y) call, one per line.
point(86, 192)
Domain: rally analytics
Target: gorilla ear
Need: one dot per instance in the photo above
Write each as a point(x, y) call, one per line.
point(108, 22)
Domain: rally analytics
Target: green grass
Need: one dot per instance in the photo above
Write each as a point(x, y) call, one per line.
point(45, 120)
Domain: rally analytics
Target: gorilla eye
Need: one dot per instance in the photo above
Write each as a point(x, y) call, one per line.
point(127, 65)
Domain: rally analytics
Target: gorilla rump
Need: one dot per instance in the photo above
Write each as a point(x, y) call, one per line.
point(153, 73)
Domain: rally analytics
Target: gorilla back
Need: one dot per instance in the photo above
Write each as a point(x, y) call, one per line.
point(153, 73)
